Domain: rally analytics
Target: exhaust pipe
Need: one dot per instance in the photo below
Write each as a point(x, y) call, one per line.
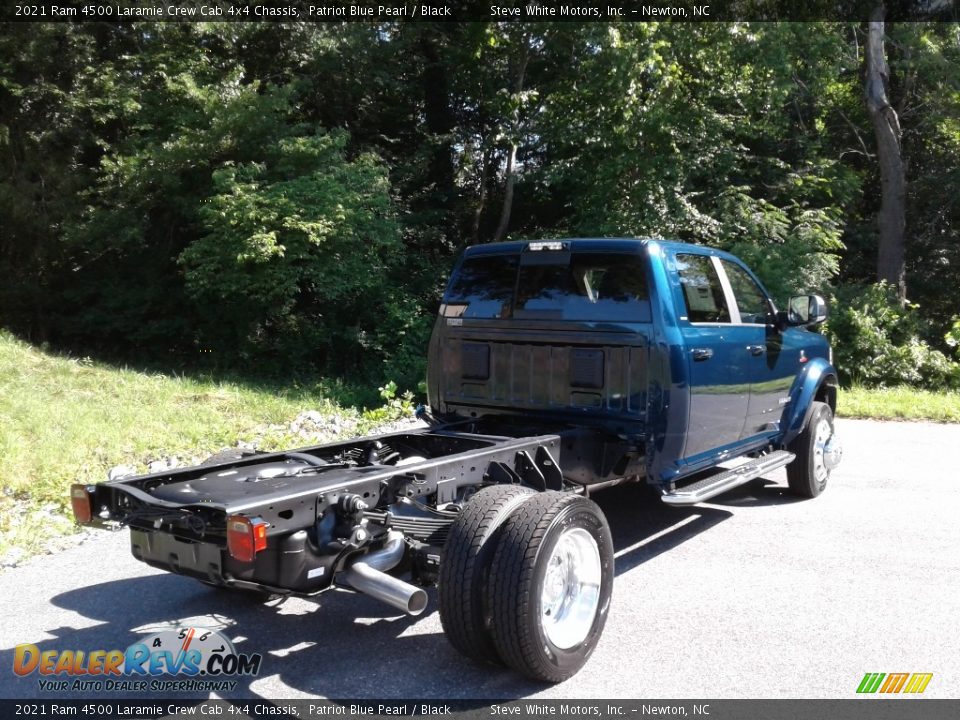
point(367, 576)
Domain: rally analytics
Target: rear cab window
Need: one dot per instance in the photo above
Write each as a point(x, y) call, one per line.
point(482, 288)
point(554, 285)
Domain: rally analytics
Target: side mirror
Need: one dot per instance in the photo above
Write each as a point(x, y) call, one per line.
point(806, 310)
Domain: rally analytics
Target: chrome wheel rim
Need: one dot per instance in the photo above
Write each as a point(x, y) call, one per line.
point(571, 589)
point(820, 471)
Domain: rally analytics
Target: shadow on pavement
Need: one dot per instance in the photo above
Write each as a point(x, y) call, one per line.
point(339, 644)
point(643, 527)
point(761, 492)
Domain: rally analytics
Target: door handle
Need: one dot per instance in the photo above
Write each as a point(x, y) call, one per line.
point(757, 349)
point(702, 354)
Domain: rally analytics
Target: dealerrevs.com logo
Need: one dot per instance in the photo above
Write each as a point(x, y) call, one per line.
point(205, 659)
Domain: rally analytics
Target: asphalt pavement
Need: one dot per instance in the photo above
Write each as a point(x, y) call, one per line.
point(754, 595)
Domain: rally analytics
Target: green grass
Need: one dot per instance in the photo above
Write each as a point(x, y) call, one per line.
point(899, 403)
point(65, 420)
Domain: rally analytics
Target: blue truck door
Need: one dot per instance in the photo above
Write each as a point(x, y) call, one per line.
point(718, 385)
point(773, 358)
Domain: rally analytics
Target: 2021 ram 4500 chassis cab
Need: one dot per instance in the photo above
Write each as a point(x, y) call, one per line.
point(555, 369)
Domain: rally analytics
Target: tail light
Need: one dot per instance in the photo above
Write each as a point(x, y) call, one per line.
point(82, 502)
point(245, 537)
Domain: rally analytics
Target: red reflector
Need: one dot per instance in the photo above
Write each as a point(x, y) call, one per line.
point(82, 504)
point(245, 537)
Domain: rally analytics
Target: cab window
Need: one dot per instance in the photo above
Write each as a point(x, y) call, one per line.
point(483, 288)
point(751, 300)
point(577, 286)
point(702, 291)
point(587, 287)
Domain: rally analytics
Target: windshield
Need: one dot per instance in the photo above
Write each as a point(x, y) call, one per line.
point(550, 286)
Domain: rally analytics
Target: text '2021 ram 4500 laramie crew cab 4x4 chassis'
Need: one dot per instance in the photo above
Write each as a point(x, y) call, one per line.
point(556, 369)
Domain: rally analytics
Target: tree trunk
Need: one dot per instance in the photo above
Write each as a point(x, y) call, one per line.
point(507, 194)
point(439, 118)
point(891, 220)
point(514, 141)
point(485, 161)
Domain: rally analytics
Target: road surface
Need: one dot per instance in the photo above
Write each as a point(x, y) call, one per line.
point(756, 595)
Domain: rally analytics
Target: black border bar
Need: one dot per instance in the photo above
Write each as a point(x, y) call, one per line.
point(149, 708)
point(473, 10)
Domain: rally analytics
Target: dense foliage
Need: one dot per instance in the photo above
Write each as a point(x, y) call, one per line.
point(276, 198)
point(879, 342)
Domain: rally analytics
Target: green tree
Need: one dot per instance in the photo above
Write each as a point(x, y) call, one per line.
point(294, 254)
point(711, 134)
point(169, 188)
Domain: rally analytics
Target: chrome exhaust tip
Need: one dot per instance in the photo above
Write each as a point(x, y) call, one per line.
point(386, 588)
point(367, 575)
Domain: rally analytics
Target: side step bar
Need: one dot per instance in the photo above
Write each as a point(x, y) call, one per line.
point(714, 485)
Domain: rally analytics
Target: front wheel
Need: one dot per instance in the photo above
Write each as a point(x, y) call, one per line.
point(817, 453)
point(550, 584)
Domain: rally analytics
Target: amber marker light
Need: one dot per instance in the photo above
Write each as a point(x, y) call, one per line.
point(81, 501)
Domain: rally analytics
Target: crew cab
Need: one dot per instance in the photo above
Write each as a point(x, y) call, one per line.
point(556, 369)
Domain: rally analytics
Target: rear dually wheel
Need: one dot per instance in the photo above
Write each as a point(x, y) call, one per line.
point(466, 565)
point(550, 584)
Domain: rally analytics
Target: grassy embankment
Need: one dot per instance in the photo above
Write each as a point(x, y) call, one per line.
point(64, 420)
point(899, 403)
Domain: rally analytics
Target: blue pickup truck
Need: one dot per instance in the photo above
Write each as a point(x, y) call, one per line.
point(556, 369)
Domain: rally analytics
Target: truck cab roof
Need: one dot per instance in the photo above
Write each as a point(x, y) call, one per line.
point(573, 244)
point(592, 244)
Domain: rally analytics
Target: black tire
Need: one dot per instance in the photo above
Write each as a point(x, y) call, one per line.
point(808, 475)
point(515, 591)
point(466, 563)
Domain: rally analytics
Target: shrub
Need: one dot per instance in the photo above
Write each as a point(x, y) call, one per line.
point(878, 342)
point(293, 268)
point(952, 337)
